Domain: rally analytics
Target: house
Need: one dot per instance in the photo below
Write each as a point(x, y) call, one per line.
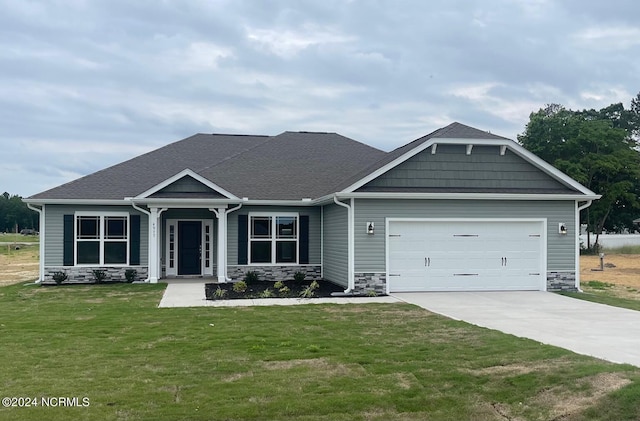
point(457, 209)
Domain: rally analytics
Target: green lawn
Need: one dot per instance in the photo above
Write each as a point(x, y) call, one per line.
point(18, 238)
point(604, 298)
point(133, 361)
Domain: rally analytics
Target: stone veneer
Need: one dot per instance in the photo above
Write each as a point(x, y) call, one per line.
point(561, 281)
point(370, 281)
point(275, 273)
point(84, 275)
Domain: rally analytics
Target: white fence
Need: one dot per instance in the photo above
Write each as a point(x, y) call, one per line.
point(613, 240)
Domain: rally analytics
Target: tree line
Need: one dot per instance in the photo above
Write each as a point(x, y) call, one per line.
point(599, 149)
point(15, 215)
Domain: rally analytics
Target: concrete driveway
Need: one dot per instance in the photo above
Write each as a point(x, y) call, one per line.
point(606, 332)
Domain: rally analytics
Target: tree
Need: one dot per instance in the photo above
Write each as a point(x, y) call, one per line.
point(598, 149)
point(15, 215)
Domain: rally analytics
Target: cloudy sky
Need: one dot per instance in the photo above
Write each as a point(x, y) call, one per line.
point(85, 84)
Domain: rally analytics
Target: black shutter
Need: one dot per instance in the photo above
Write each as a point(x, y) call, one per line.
point(134, 240)
point(243, 238)
point(67, 241)
point(303, 241)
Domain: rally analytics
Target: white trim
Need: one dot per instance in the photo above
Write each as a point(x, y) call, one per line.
point(510, 144)
point(204, 269)
point(186, 173)
point(273, 238)
point(543, 242)
point(350, 243)
point(101, 215)
point(122, 202)
point(465, 196)
point(322, 242)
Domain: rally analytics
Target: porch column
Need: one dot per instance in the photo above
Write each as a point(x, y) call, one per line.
point(154, 258)
point(221, 213)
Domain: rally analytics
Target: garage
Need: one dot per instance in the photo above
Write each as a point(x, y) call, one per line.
point(466, 255)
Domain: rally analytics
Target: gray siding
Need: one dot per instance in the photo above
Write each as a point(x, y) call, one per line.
point(187, 187)
point(370, 249)
point(336, 242)
point(314, 229)
point(451, 168)
point(54, 235)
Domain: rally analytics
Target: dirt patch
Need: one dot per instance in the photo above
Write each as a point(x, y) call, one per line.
point(19, 265)
point(518, 369)
point(620, 277)
point(321, 364)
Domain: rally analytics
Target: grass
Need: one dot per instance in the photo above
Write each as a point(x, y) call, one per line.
point(598, 285)
point(133, 361)
point(607, 299)
point(630, 249)
point(18, 238)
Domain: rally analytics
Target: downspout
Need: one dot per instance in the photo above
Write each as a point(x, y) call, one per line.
point(578, 209)
point(143, 211)
point(41, 241)
point(350, 246)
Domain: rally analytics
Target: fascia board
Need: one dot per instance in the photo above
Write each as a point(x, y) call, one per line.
point(182, 174)
point(467, 196)
point(76, 202)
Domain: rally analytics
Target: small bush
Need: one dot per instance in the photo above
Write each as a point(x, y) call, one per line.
point(284, 291)
point(251, 277)
point(267, 293)
point(99, 275)
point(59, 277)
point(309, 292)
point(299, 276)
point(240, 287)
point(371, 293)
point(220, 293)
point(278, 285)
point(130, 275)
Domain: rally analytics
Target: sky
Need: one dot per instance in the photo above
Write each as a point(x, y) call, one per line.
point(86, 84)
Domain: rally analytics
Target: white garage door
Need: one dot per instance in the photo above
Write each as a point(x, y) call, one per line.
point(465, 255)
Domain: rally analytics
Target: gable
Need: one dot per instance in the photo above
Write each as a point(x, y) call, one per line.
point(448, 168)
point(187, 187)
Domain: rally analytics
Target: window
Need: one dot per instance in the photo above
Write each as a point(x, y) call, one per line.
point(102, 239)
point(273, 239)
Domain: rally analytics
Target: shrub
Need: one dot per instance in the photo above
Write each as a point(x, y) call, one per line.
point(130, 275)
point(371, 293)
point(99, 275)
point(299, 276)
point(267, 293)
point(220, 293)
point(59, 277)
point(251, 277)
point(278, 285)
point(284, 291)
point(240, 287)
point(309, 292)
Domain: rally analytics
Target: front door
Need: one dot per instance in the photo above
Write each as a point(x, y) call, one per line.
point(189, 247)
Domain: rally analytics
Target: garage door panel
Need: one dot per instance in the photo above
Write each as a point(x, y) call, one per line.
point(465, 255)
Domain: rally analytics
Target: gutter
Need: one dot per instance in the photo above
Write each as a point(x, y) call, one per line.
point(350, 246)
point(41, 241)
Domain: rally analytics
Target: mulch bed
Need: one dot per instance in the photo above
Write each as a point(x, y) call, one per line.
point(257, 290)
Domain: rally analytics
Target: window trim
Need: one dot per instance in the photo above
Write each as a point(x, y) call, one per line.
point(102, 237)
point(273, 238)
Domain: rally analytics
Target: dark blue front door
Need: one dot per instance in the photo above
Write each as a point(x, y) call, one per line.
point(189, 247)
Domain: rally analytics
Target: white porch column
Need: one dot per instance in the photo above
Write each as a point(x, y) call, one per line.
point(221, 213)
point(154, 255)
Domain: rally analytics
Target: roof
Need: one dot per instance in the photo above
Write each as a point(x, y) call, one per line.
point(289, 166)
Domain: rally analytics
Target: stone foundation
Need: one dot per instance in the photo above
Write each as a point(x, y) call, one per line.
point(561, 281)
point(368, 281)
point(84, 275)
point(275, 273)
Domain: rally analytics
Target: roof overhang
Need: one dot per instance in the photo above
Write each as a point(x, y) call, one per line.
point(96, 202)
point(464, 196)
point(544, 166)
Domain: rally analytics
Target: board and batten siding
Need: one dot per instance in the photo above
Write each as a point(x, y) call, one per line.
point(336, 245)
point(314, 229)
point(370, 249)
point(54, 230)
point(450, 167)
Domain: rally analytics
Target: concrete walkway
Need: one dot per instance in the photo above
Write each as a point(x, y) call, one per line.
point(598, 330)
point(190, 293)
